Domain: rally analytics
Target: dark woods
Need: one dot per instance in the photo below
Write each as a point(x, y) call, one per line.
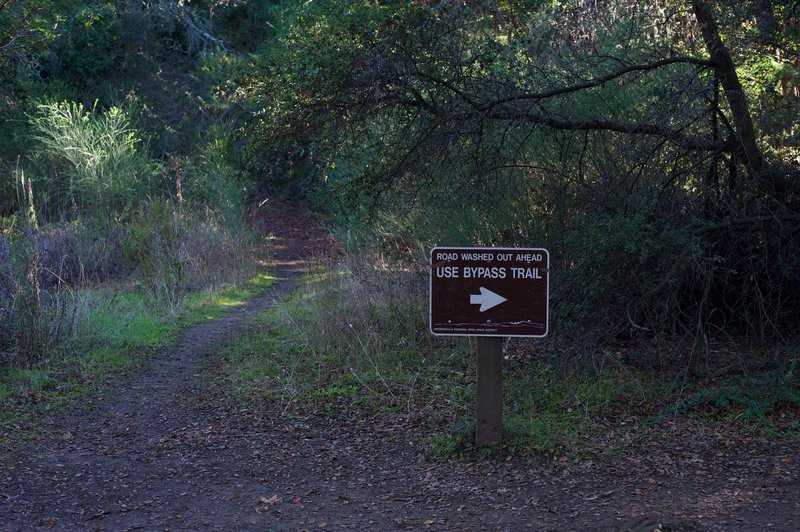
point(652, 146)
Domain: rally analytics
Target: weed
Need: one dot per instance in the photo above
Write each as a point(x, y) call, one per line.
point(34, 324)
point(748, 398)
point(458, 440)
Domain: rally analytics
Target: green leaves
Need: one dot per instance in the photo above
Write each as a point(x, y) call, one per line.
point(93, 156)
point(601, 132)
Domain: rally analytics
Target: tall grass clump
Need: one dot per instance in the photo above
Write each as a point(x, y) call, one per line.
point(371, 315)
point(211, 179)
point(34, 323)
point(89, 161)
point(354, 334)
point(173, 252)
point(7, 289)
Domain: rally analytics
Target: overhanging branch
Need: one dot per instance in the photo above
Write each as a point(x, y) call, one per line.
point(652, 130)
point(596, 82)
point(500, 110)
point(14, 38)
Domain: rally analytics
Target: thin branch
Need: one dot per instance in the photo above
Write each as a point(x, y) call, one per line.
point(185, 15)
point(600, 81)
point(652, 130)
point(676, 266)
point(619, 127)
point(747, 221)
point(461, 94)
point(9, 43)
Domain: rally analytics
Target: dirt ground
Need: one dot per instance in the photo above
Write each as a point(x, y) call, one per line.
point(157, 453)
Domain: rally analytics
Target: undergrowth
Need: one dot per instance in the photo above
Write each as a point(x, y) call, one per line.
point(352, 342)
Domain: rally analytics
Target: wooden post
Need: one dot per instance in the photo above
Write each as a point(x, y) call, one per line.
point(489, 408)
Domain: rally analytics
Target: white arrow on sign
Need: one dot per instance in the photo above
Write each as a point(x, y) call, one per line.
point(486, 299)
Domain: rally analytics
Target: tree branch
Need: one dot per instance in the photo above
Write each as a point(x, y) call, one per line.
point(652, 130)
point(734, 93)
point(601, 80)
point(490, 111)
point(747, 221)
point(618, 127)
point(461, 94)
point(9, 43)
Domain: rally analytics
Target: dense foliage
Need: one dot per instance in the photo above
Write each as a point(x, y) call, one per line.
point(652, 146)
point(116, 159)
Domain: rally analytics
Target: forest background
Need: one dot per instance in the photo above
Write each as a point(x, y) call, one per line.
point(652, 147)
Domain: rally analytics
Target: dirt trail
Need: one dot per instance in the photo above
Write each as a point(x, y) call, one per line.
point(156, 455)
point(111, 466)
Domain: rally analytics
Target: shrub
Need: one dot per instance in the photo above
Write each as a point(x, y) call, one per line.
point(91, 160)
point(211, 179)
point(173, 253)
point(81, 252)
point(87, 44)
point(152, 247)
point(34, 322)
point(215, 253)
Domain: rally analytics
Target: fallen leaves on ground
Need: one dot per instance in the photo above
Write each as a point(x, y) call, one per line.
point(265, 503)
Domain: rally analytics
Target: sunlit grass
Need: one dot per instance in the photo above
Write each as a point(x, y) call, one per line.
point(122, 318)
point(211, 305)
point(117, 330)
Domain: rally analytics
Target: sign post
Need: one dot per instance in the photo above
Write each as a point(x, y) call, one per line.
point(489, 397)
point(491, 293)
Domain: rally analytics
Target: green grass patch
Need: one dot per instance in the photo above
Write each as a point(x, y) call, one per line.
point(333, 347)
point(210, 305)
point(122, 318)
point(26, 393)
point(555, 411)
point(551, 413)
point(287, 356)
point(104, 360)
point(355, 343)
point(759, 397)
point(116, 330)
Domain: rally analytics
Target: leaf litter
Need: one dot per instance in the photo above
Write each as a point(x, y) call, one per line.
point(154, 455)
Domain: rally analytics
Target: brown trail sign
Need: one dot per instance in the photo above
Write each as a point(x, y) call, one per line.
point(489, 291)
point(492, 293)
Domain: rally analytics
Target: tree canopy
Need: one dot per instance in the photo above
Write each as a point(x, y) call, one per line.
point(653, 143)
point(653, 146)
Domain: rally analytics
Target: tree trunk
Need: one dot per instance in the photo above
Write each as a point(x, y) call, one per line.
point(723, 64)
point(782, 184)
